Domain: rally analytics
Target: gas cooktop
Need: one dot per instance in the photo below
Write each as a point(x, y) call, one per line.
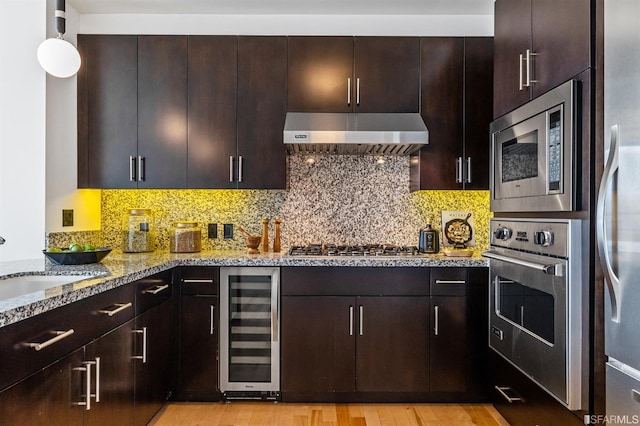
point(352, 250)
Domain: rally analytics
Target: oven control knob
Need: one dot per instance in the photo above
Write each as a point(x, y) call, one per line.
point(543, 238)
point(502, 233)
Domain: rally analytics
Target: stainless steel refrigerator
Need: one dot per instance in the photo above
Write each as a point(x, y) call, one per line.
point(618, 210)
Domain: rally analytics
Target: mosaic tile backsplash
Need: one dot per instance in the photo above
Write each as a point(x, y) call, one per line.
point(342, 199)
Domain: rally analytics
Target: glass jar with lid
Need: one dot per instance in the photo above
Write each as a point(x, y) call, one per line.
point(138, 231)
point(185, 237)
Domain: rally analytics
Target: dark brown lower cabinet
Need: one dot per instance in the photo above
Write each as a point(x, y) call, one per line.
point(114, 401)
point(48, 396)
point(199, 348)
point(153, 360)
point(448, 344)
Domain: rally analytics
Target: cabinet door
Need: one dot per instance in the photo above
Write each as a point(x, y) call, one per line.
point(392, 346)
point(262, 108)
point(318, 346)
point(212, 94)
point(116, 377)
point(48, 397)
point(318, 72)
point(107, 110)
point(199, 348)
point(387, 74)
point(561, 40)
point(512, 37)
point(442, 64)
point(162, 111)
point(478, 101)
point(153, 356)
point(448, 346)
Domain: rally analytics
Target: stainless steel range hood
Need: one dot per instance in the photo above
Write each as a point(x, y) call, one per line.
point(354, 133)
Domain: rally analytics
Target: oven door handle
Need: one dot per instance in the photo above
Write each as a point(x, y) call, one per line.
point(556, 269)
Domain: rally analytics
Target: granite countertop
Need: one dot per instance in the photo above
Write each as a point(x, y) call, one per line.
point(122, 268)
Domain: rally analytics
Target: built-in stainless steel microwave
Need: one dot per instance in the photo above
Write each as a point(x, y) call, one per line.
point(533, 154)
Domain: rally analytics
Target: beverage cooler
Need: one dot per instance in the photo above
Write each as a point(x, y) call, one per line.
point(249, 333)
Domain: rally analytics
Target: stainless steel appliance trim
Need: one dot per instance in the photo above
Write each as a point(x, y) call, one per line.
point(556, 269)
point(611, 167)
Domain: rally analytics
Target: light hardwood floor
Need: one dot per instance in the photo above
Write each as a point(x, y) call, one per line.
point(286, 414)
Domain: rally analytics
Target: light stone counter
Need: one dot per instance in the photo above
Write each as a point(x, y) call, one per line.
point(122, 268)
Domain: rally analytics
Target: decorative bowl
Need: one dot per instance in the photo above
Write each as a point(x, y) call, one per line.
point(77, 257)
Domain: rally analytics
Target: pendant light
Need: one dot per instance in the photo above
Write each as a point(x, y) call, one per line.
point(57, 56)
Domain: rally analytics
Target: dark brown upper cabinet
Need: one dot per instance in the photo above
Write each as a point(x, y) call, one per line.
point(162, 112)
point(354, 74)
point(262, 109)
point(456, 96)
point(107, 111)
point(539, 44)
point(132, 110)
point(212, 94)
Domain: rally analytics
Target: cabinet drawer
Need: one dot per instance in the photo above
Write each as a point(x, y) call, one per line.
point(152, 291)
point(354, 281)
point(34, 343)
point(199, 279)
point(448, 281)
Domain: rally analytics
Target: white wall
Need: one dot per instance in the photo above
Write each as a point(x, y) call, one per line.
point(391, 25)
point(22, 129)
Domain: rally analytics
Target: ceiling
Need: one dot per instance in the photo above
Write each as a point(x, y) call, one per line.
point(287, 7)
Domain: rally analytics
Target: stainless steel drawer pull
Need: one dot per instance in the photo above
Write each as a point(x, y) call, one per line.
point(635, 395)
point(87, 386)
point(97, 363)
point(119, 308)
point(143, 357)
point(504, 390)
point(435, 314)
point(198, 281)
point(212, 328)
point(156, 289)
point(451, 282)
point(350, 320)
point(58, 335)
point(361, 320)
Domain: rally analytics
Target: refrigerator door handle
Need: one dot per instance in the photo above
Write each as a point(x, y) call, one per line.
point(610, 168)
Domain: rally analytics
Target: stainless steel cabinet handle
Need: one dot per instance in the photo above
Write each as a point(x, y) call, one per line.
point(120, 307)
point(350, 320)
point(349, 91)
point(358, 91)
point(468, 179)
point(435, 313)
point(207, 281)
point(275, 307)
point(97, 363)
point(502, 390)
point(58, 335)
point(520, 63)
point(528, 55)
point(459, 170)
point(212, 320)
point(451, 282)
point(522, 315)
point(610, 168)
point(141, 168)
point(132, 168)
point(87, 386)
point(361, 320)
point(156, 289)
point(240, 169)
point(231, 168)
point(143, 357)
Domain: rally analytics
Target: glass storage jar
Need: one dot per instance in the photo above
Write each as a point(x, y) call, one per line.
point(138, 231)
point(185, 237)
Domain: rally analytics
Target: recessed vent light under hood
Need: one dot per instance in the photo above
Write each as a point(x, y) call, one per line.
point(354, 133)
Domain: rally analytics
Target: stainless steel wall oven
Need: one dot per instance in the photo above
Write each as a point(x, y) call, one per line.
point(536, 300)
point(249, 333)
point(533, 154)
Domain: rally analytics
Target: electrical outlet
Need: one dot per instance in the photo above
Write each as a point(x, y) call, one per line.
point(228, 231)
point(212, 230)
point(67, 217)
